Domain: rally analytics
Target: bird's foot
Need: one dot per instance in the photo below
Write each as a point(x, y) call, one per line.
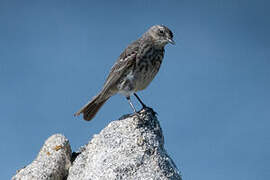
point(146, 108)
point(137, 114)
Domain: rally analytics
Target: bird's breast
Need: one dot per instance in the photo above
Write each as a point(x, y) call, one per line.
point(146, 70)
point(139, 76)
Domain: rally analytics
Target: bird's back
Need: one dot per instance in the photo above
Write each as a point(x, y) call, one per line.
point(126, 60)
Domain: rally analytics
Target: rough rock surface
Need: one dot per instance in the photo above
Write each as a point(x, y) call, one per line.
point(131, 148)
point(52, 162)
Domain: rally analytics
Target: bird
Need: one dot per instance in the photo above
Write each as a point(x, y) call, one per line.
point(133, 71)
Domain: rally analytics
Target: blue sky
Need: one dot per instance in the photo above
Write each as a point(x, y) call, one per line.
point(211, 94)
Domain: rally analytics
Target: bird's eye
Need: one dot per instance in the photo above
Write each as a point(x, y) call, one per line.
point(161, 31)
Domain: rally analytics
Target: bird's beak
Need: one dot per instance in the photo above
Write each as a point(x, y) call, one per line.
point(171, 41)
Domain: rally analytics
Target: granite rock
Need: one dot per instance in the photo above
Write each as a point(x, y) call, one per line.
point(52, 162)
point(131, 148)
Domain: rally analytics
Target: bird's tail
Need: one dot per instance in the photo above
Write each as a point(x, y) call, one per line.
point(91, 108)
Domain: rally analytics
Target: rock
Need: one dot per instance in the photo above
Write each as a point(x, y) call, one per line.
point(52, 162)
point(129, 148)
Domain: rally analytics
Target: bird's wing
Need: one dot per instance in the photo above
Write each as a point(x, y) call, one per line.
point(125, 60)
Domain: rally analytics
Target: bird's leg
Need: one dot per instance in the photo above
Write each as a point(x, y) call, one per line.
point(129, 101)
point(143, 105)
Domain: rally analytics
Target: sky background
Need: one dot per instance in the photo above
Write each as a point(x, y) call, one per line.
point(211, 94)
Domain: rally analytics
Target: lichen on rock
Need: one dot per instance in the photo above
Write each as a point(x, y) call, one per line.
point(52, 162)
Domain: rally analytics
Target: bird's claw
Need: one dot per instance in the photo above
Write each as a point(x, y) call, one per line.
point(137, 114)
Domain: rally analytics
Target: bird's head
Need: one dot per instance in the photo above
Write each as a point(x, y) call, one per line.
point(161, 35)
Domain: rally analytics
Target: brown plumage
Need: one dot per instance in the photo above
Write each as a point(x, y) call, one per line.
point(134, 70)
